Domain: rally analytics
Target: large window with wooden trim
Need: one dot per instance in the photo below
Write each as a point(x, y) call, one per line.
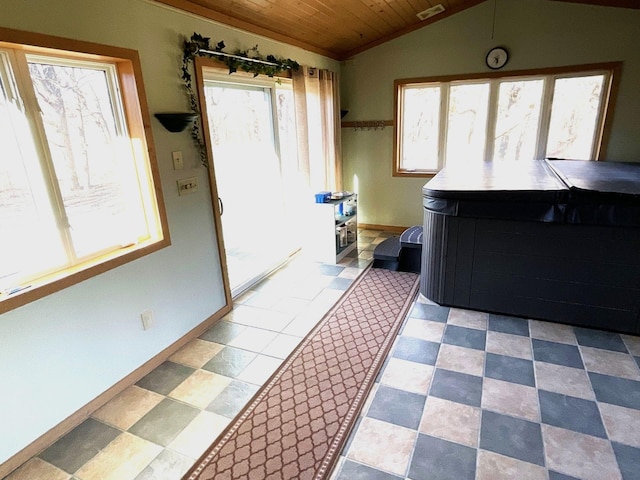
point(78, 186)
point(502, 117)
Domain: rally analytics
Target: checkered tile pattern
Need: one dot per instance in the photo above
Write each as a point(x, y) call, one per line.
point(462, 395)
point(158, 428)
point(470, 395)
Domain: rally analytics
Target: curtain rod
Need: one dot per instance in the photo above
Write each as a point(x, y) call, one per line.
point(248, 59)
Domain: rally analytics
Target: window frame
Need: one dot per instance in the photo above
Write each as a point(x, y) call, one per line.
point(602, 134)
point(126, 63)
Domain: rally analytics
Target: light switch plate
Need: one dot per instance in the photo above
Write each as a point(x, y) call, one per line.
point(178, 163)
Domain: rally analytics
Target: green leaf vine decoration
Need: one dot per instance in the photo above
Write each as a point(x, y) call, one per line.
point(250, 61)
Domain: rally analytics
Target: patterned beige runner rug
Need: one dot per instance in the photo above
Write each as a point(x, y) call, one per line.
point(296, 425)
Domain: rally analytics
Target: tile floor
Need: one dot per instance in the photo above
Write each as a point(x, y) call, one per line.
point(462, 395)
point(469, 395)
point(159, 427)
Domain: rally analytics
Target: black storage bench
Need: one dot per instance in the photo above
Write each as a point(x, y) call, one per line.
point(553, 240)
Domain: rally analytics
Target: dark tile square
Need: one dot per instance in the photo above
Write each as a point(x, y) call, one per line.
point(397, 406)
point(560, 476)
point(513, 437)
point(164, 422)
point(165, 378)
point(571, 413)
point(637, 361)
point(557, 353)
point(356, 471)
point(465, 337)
point(230, 361)
point(438, 459)
point(506, 324)
point(168, 464)
point(599, 339)
point(233, 398)
point(435, 313)
point(628, 460)
point(416, 350)
point(457, 387)
point(340, 283)
point(222, 332)
point(616, 390)
point(334, 270)
point(79, 445)
point(509, 369)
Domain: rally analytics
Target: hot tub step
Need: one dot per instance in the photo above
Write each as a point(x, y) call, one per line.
point(400, 253)
point(387, 254)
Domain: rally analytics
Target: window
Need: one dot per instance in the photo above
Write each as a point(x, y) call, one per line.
point(553, 113)
point(77, 190)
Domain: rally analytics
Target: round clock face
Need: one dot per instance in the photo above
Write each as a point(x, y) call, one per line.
point(497, 58)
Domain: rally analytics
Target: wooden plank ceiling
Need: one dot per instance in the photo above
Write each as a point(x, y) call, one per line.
point(335, 28)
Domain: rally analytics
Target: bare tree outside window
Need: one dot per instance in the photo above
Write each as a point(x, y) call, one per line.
point(467, 123)
point(519, 105)
point(79, 188)
point(500, 118)
point(574, 115)
point(422, 126)
point(88, 155)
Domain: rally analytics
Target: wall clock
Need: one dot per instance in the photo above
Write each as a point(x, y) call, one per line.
point(497, 58)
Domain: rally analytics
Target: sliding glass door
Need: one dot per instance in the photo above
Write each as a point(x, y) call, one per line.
point(252, 132)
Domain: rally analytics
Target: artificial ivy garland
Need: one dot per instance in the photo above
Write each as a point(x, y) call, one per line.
point(245, 60)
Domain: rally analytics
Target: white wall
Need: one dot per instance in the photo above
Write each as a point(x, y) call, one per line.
point(538, 33)
point(62, 351)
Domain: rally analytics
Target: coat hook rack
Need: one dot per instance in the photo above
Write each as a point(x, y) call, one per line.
point(368, 125)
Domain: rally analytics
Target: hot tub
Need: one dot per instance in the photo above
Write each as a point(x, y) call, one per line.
point(551, 239)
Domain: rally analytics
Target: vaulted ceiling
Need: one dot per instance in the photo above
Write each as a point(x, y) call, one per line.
point(337, 28)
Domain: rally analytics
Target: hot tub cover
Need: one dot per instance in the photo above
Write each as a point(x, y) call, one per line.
point(560, 191)
point(601, 193)
point(527, 190)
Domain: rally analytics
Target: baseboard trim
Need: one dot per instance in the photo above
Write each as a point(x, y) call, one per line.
point(386, 228)
point(75, 419)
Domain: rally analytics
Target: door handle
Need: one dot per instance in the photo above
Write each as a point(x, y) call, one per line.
point(221, 206)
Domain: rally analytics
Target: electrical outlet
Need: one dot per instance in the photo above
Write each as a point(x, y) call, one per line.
point(187, 185)
point(178, 163)
point(147, 319)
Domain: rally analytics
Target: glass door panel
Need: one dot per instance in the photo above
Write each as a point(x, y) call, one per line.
point(249, 178)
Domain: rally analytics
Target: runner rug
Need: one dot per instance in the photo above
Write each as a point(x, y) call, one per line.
point(296, 425)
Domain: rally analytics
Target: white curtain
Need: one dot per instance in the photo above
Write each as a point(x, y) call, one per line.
point(317, 103)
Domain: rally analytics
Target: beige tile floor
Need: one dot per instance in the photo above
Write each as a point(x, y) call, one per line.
point(468, 395)
point(462, 394)
point(159, 427)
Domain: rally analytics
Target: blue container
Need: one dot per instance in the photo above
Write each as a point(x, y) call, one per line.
point(323, 197)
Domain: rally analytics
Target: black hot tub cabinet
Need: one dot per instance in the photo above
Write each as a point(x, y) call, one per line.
point(551, 239)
